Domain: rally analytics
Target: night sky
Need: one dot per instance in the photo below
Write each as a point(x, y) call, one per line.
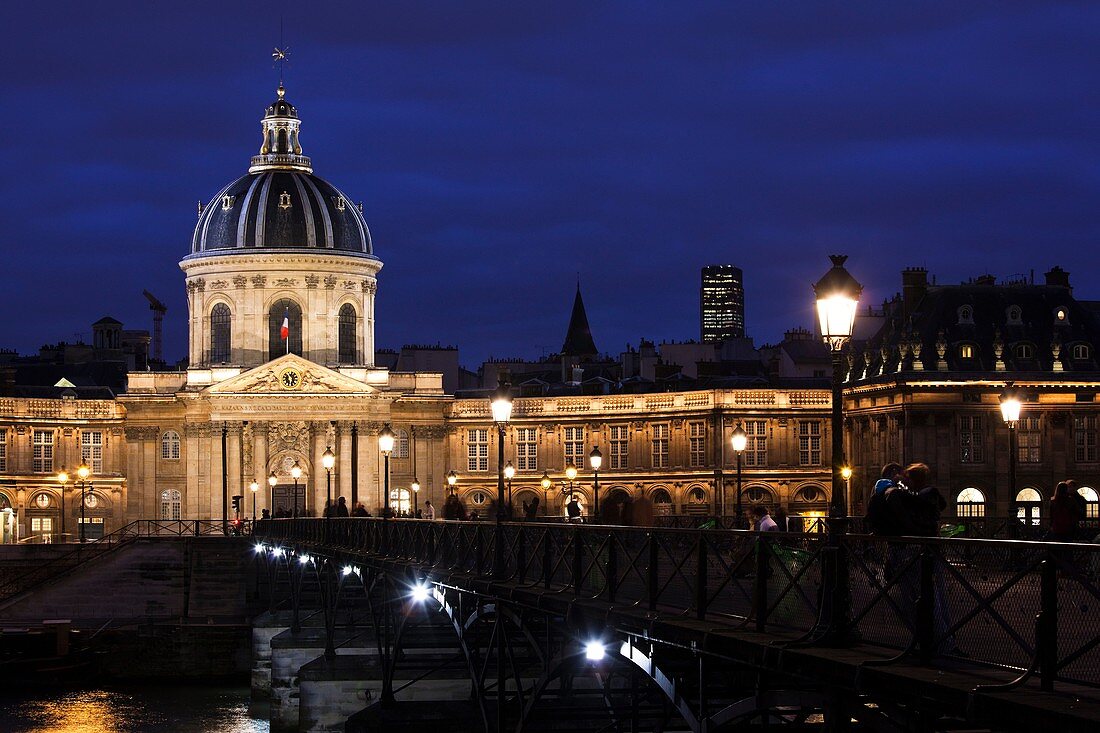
point(501, 148)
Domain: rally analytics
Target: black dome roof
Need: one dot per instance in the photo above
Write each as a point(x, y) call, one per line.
point(281, 209)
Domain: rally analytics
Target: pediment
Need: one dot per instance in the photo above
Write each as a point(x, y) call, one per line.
point(275, 378)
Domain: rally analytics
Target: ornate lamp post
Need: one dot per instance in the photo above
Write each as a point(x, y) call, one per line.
point(295, 473)
point(63, 478)
point(272, 479)
point(846, 474)
point(1010, 413)
point(254, 487)
point(452, 479)
point(83, 472)
point(837, 294)
point(570, 475)
point(509, 474)
point(328, 461)
point(739, 439)
point(595, 459)
point(501, 405)
point(385, 444)
point(416, 494)
point(546, 483)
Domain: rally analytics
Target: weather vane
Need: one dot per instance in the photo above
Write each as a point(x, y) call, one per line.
point(280, 57)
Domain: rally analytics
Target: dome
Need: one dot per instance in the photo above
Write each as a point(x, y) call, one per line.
point(280, 204)
point(281, 209)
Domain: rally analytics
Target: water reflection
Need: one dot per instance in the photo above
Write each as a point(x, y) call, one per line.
point(180, 709)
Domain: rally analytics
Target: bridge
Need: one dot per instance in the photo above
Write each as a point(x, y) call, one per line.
point(597, 628)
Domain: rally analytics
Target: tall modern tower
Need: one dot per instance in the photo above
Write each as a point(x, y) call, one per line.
point(721, 303)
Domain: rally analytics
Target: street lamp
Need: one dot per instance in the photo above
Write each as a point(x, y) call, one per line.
point(595, 459)
point(272, 479)
point(295, 473)
point(328, 461)
point(385, 444)
point(837, 295)
point(546, 483)
point(501, 405)
point(739, 439)
point(452, 479)
point(416, 492)
point(254, 487)
point(63, 478)
point(509, 474)
point(83, 472)
point(1010, 413)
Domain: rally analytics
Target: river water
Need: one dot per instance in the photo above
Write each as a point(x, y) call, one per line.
point(131, 709)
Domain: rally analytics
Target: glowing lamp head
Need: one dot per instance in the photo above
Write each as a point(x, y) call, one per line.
point(83, 472)
point(452, 478)
point(570, 471)
point(254, 486)
point(63, 476)
point(272, 479)
point(509, 471)
point(846, 472)
point(295, 471)
point(501, 403)
point(420, 592)
point(415, 485)
point(328, 459)
point(385, 440)
point(348, 570)
point(594, 651)
point(259, 549)
point(304, 559)
point(1010, 405)
point(837, 295)
point(595, 458)
point(739, 439)
point(545, 481)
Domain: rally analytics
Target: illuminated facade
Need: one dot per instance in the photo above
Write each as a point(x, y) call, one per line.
point(721, 303)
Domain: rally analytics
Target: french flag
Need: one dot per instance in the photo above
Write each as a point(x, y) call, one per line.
point(284, 332)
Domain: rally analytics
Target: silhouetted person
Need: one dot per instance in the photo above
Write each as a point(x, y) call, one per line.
point(341, 507)
point(531, 509)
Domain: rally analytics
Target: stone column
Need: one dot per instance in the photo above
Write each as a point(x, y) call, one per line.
point(342, 487)
point(233, 456)
point(320, 434)
point(259, 465)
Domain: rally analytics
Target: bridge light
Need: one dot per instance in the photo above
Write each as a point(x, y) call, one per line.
point(348, 570)
point(304, 559)
point(259, 548)
point(594, 651)
point(420, 592)
point(277, 552)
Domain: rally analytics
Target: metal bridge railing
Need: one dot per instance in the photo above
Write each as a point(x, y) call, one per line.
point(1023, 606)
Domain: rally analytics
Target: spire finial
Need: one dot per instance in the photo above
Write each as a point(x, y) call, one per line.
point(280, 57)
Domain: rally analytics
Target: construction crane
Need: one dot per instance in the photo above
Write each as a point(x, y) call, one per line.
point(159, 309)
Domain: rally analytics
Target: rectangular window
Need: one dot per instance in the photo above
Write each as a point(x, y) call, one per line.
point(477, 449)
point(91, 450)
point(620, 440)
point(573, 445)
point(697, 443)
point(660, 446)
point(970, 439)
point(756, 445)
point(3, 451)
point(1029, 439)
point(809, 443)
point(1084, 439)
point(527, 449)
point(42, 524)
point(43, 451)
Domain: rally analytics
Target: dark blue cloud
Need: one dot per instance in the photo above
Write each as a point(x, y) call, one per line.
point(501, 148)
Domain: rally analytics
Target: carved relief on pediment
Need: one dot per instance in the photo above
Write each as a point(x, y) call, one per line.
point(292, 435)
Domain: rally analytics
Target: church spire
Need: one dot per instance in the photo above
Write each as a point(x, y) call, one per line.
point(578, 339)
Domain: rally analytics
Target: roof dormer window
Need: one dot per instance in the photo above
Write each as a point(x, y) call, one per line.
point(966, 315)
point(1081, 351)
point(1025, 351)
point(966, 351)
point(1013, 315)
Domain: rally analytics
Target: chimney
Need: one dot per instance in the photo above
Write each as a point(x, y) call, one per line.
point(1059, 278)
point(914, 284)
point(985, 280)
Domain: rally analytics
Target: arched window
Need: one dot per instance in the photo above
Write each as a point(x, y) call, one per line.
point(966, 351)
point(479, 498)
point(401, 445)
point(970, 503)
point(1013, 314)
point(758, 495)
point(170, 445)
point(1092, 502)
point(1081, 351)
point(1025, 351)
point(285, 309)
point(966, 314)
point(400, 501)
point(221, 340)
point(661, 496)
point(810, 495)
point(348, 322)
point(171, 504)
point(5, 502)
point(697, 496)
point(1029, 506)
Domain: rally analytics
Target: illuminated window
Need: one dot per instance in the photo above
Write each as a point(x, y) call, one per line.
point(809, 443)
point(1084, 438)
point(43, 451)
point(477, 449)
point(479, 497)
point(966, 351)
point(221, 325)
point(573, 447)
point(1029, 506)
point(171, 504)
point(91, 450)
point(971, 442)
point(1092, 502)
point(970, 503)
point(697, 443)
point(756, 444)
point(527, 449)
point(3, 450)
point(399, 501)
point(660, 446)
point(170, 446)
point(41, 525)
point(1029, 440)
point(620, 441)
point(401, 444)
point(348, 326)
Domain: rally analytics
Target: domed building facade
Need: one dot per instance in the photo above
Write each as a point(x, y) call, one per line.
point(280, 244)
